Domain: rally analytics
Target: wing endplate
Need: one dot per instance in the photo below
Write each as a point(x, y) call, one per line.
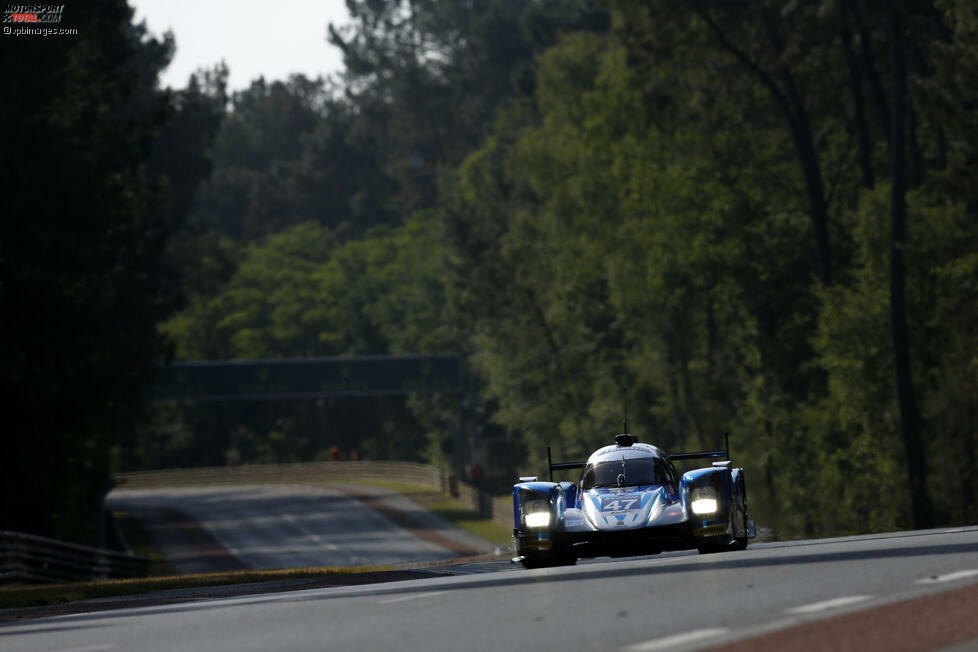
point(561, 466)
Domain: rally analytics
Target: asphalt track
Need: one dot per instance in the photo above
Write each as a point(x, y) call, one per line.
point(846, 593)
point(260, 527)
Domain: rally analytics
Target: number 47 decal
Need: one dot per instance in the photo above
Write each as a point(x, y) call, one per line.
point(618, 504)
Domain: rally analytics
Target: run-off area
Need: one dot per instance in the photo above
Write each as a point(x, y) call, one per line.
point(202, 530)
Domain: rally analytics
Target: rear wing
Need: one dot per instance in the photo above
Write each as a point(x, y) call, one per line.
point(703, 455)
point(561, 466)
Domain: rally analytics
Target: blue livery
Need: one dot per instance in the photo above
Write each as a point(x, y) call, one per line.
point(630, 500)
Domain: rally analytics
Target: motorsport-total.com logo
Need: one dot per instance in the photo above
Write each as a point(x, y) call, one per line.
point(35, 20)
point(49, 14)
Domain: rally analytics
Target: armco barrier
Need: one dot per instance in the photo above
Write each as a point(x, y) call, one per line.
point(26, 558)
point(499, 509)
point(300, 473)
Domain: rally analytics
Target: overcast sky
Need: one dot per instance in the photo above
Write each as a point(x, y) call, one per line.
point(273, 38)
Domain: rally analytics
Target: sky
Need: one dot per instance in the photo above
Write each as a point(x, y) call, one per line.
point(255, 37)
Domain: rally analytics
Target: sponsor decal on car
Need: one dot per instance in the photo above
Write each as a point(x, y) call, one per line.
point(535, 544)
point(713, 529)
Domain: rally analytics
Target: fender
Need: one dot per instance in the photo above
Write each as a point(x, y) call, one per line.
point(715, 482)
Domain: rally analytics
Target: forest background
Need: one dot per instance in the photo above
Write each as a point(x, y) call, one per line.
point(756, 217)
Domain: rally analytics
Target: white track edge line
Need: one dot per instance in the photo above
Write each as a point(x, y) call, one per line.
point(825, 605)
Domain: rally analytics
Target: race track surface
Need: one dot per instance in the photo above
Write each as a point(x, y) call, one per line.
point(261, 527)
point(670, 602)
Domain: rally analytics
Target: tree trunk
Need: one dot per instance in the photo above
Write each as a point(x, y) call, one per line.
point(909, 416)
point(869, 66)
point(794, 110)
point(862, 126)
point(817, 206)
point(807, 156)
point(916, 155)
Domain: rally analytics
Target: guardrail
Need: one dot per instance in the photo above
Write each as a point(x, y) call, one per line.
point(298, 473)
point(26, 558)
point(499, 509)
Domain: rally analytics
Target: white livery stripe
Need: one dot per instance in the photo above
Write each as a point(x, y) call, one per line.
point(828, 604)
point(949, 577)
point(671, 642)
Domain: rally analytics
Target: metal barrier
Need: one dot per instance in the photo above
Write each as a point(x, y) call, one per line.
point(298, 473)
point(499, 509)
point(26, 558)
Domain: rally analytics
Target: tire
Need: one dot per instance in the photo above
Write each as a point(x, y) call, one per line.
point(740, 543)
point(537, 559)
point(709, 550)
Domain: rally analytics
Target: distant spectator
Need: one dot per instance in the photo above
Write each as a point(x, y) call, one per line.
point(354, 457)
point(334, 454)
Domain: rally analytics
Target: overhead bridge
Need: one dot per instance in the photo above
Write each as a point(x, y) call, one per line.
point(246, 380)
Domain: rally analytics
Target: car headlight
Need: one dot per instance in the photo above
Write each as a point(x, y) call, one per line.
point(537, 519)
point(704, 500)
point(536, 513)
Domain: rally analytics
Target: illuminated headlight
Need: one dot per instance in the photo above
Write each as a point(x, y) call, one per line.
point(537, 519)
point(704, 500)
point(536, 513)
point(704, 506)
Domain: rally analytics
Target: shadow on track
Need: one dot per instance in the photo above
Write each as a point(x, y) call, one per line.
point(523, 578)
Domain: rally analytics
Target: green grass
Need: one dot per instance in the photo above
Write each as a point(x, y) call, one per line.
point(52, 594)
point(454, 511)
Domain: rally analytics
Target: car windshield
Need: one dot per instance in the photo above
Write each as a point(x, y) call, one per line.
point(640, 471)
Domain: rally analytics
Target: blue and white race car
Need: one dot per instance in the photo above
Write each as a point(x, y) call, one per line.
point(630, 500)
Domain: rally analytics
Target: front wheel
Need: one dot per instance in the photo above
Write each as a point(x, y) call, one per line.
point(544, 558)
point(738, 514)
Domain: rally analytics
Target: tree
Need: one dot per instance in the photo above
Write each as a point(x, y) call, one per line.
point(90, 201)
point(429, 76)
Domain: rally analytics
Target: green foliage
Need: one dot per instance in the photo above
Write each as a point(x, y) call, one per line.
point(637, 230)
point(301, 294)
point(291, 152)
point(95, 167)
point(639, 220)
point(856, 425)
point(690, 206)
point(628, 263)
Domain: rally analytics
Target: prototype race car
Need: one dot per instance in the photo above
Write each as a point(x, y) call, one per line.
point(630, 501)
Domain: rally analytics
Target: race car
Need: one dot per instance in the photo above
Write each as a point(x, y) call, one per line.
point(629, 501)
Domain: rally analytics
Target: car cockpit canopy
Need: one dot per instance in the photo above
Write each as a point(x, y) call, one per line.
point(632, 471)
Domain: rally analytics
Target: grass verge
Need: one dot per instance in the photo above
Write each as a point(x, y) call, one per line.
point(454, 511)
point(52, 594)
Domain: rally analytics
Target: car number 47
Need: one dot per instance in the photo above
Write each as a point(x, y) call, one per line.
point(618, 504)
